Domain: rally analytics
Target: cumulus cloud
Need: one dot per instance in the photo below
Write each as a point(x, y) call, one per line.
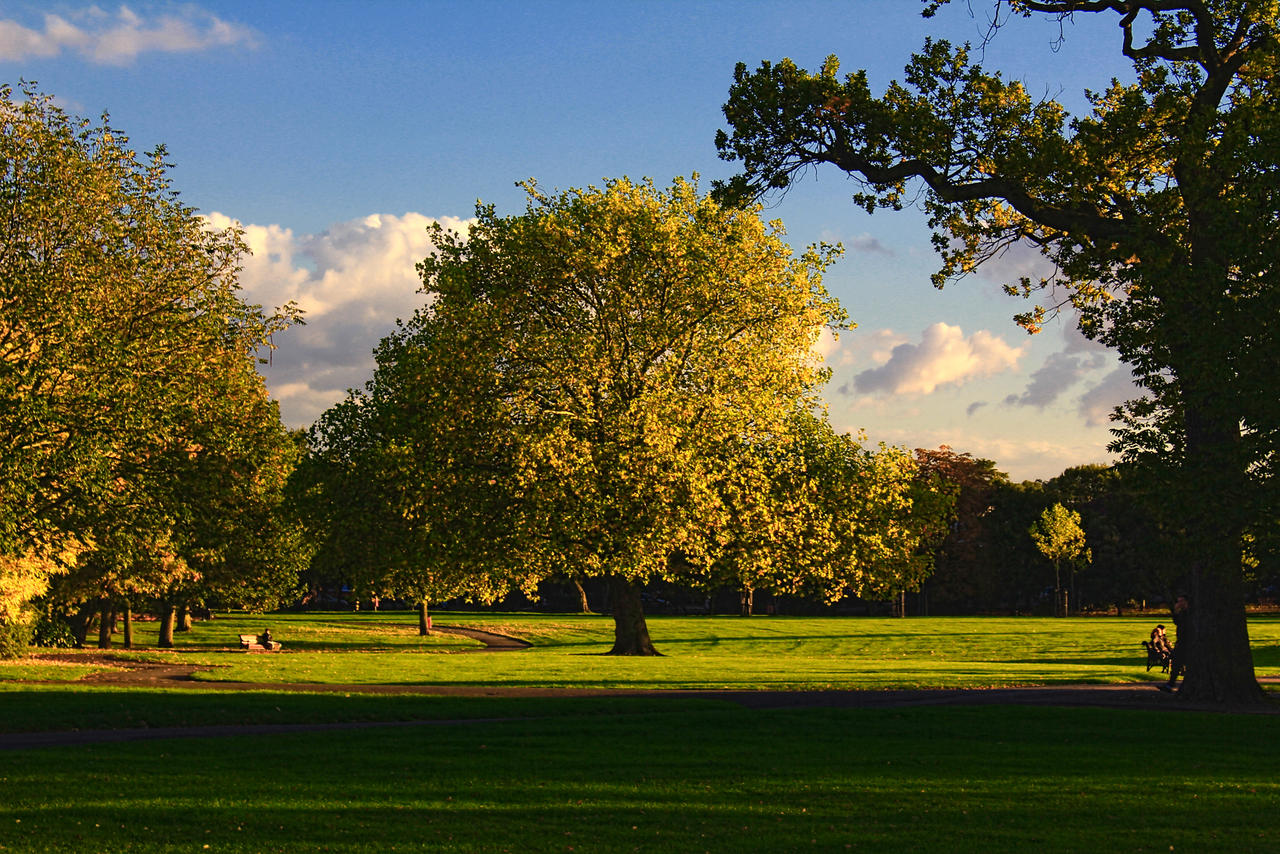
point(1097, 403)
point(944, 356)
point(827, 344)
point(353, 280)
point(104, 38)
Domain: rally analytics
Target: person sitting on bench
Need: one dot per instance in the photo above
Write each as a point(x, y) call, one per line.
point(1160, 640)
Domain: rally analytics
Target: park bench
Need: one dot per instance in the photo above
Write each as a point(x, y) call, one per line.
point(252, 643)
point(1156, 657)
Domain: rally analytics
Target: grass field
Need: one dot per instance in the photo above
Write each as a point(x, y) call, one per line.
point(609, 774)
point(699, 652)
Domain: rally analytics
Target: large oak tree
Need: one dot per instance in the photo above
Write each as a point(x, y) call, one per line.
point(1157, 209)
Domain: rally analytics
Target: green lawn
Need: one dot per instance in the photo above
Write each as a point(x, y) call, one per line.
point(623, 774)
point(695, 777)
point(699, 652)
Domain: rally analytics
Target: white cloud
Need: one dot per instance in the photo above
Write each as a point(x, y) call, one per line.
point(353, 280)
point(117, 39)
point(855, 346)
point(944, 356)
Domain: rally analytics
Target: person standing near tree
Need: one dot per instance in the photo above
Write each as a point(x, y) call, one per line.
point(1181, 641)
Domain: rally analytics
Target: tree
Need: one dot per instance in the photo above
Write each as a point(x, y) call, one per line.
point(1134, 558)
point(810, 511)
point(1156, 209)
point(133, 414)
point(23, 579)
point(564, 397)
point(1059, 537)
point(399, 487)
point(964, 572)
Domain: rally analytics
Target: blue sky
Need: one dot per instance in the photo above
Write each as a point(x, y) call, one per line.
point(336, 132)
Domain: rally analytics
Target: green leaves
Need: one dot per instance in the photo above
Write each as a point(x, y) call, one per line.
point(595, 386)
point(1155, 212)
point(1059, 537)
point(129, 404)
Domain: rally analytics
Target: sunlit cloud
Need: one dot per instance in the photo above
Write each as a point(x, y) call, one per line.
point(353, 281)
point(944, 356)
point(118, 38)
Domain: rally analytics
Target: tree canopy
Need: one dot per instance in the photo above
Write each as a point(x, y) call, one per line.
point(133, 418)
point(1155, 211)
point(619, 383)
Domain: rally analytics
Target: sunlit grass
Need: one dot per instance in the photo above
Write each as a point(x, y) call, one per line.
point(329, 631)
point(699, 652)
point(763, 653)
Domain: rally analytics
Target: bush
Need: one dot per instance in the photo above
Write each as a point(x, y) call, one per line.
point(15, 639)
point(50, 631)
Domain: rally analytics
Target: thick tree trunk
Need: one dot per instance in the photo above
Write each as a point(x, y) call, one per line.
point(167, 619)
point(106, 622)
point(184, 619)
point(424, 621)
point(1219, 659)
point(630, 631)
point(128, 626)
point(746, 601)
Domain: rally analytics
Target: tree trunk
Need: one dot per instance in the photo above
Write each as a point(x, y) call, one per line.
point(184, 619)
point(424, 621)
point(80, 622)
point(128, 626)
point(1219, 659)
point(582, 595)
point(106, 622)
point(630, 631)
point(746, 601)
point(167, 619)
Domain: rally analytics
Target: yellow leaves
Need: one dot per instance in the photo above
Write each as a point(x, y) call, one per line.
point(25, 577)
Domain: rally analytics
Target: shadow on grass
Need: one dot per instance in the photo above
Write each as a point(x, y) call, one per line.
point(723, 780)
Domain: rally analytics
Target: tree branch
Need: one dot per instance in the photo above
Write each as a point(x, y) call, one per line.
point(1078, 222)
